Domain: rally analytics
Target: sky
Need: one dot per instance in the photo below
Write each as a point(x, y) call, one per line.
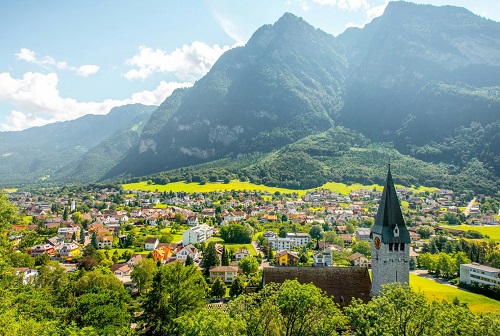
point(60, 59)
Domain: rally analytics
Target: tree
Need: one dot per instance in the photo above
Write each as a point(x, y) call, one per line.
point(142, 274)
point(225, 257)
point(77, 217)
point(270, 255)
point(362, 247)
point(87, 263)
point(237, 233)
point(307, 310)
point(42, 259)
point(425, 231)
point(349, 225)
point(82, 236)
point(218, 288)
point(304, 257)
point(248, 265)
point(93, 241)
point(209, 322)
point(210, 258)
point(189, 261)
point(65, 213)
point(316, 231)
point(176, 291)
point(237, 287)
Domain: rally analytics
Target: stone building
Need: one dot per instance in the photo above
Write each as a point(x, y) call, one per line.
point(390, 241)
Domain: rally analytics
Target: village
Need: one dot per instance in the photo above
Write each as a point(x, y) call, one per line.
point(319, 229)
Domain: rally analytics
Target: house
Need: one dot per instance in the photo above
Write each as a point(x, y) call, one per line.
point(363, 234)
point(359, 259)
point(162, 254)
point(69, 251)
point(343, 283)
point(479, 274)
point(226, 273)
point(240, 254)
point(209, 212)
point(63, 231)
point(37, 250)
point(299, 238)
point(286, 258)
point(322, 258)
point(103, 241)
point(269, 234)
point(121, 269)
point(188, 250)
point(135, 259)
point(151, 243)
point(28, 274)
point(198, 234)
point(347, 238)
point(192, 220)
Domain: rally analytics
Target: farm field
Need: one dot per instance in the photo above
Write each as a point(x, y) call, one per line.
point(436, 291)
point(493, 231)
point(337, 187)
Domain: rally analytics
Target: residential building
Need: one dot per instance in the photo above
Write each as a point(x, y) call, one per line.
point(226, 273)
point(322, 258)
point(151, 243)
point(103, 241)
point(240, 254)
point(198, 234)
point(188, 250)
point(69, 251)
point(299, 238)
point(286, 258)
point(280, 243)
point(479, 274)
point(162, 254)
point(363, 234)
point(359, 259)
point(37, 250)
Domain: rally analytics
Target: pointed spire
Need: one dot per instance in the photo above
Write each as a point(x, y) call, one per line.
point(389, 215)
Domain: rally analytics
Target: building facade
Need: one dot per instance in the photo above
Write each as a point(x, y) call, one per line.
point(390, 243)
point(479, 274)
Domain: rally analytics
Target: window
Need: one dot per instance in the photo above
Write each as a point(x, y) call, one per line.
point(396, 247)
point(402, 248)
point(390, 247)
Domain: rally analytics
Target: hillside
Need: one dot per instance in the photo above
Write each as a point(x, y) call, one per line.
point(423, 78)
point(38, 153)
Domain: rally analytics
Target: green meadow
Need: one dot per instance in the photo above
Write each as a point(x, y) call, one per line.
point(493, 231)
point(436, 291)
point(337, 187)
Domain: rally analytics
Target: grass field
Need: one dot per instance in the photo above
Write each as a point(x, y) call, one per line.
point(339, 188)
point(175, 237)
point(491, 230)
point(436, 291)
point(8, 190)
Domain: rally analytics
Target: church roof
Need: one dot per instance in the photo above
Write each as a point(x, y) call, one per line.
point(389, 216)
point(343, 283)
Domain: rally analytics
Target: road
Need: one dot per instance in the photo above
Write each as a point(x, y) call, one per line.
point(469, 206)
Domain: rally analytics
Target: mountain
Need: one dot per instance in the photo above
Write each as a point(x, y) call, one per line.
point(424, 79)
point(295, 107)
point(38, 153)
point(286, 83)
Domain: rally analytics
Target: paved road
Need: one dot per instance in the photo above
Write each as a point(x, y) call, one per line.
point(469, 206)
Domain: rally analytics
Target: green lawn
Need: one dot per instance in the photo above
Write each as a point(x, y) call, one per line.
point(337, 187)
point(490, 230)
point(27, 219)
point(433, 290)
point(175, 237)
point(236, 247)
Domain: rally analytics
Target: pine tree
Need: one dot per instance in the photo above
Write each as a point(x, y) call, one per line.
point(94, 241)
point(210, 258)
point(82, 236)
point(218, 289)
point(225, 257)
point(189, 261)
point(270, 254)
point(66, 213)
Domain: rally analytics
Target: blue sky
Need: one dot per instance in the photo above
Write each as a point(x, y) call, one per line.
point(61, 59)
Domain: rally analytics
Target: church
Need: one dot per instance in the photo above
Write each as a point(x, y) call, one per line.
point(390, 246)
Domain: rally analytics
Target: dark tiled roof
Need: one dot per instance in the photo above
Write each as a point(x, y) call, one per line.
point(343, 283)
point(389, 215)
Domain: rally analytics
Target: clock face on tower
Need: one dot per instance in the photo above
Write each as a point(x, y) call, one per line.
point(377, 243)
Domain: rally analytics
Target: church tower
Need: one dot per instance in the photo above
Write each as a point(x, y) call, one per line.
point(390, 241)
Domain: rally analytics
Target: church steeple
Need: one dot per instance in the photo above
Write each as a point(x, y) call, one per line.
point(390, 241)
point(389, 222)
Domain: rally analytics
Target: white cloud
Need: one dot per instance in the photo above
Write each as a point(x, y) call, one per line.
point(371, 13)
point(38, 102)
point(229, 28)
point(345, 4)
point(47, 61)
point(187, 62)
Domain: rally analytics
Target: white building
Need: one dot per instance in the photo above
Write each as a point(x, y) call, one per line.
point(151, 243)
point(188, 250)
point(198, 234)
point(479, 274)
point(299, 238)
point(323, 258)
point(280, 243)
point(240, 254)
